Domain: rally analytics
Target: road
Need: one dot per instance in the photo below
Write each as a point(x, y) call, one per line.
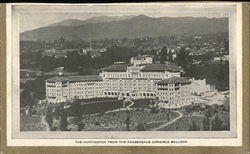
point(168, 123)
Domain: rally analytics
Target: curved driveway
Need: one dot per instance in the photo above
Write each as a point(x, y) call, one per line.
point(168, 123)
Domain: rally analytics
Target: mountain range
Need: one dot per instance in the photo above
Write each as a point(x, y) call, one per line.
point(106, 27)
point(98, 19)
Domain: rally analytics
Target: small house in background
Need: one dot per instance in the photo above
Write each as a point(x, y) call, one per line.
point(82, 52)
point(60, 70)
point(50, 50)
point(141, 59)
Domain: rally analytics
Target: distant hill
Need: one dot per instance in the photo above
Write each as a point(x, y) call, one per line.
point(137, 26)
point(98, 19)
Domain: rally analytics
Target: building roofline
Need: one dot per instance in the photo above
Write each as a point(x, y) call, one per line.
point(174, 80)
point(75, 78)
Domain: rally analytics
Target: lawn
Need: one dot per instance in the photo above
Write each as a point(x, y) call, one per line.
point(115, 121)
point(142, 103)
point(79, 109)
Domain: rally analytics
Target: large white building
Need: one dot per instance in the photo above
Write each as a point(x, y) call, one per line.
point(134, 81)
point(66, 88)
point(174, 92)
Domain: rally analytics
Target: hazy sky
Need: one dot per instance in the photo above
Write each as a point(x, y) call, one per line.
point(39, 16)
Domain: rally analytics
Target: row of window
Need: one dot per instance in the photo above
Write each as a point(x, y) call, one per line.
point(128, 84)
point(159, 75)
point(128, 94)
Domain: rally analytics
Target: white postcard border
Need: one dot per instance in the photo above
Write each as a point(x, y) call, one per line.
point(65, 141)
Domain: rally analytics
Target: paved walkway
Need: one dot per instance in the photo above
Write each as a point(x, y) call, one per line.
point(123, 109)
point(132, 103)
point(168, 123)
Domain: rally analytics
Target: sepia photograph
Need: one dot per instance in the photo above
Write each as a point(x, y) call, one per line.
point(124, 71)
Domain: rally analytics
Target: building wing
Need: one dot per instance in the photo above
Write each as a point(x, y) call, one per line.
point(75, 78)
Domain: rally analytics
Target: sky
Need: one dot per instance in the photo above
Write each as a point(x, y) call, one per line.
point(40, 16)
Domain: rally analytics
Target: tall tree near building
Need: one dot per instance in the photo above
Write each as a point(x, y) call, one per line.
point(163, 54)
point(217, 123)
point(206, 123)
point(63, 122)
point(49, 116)
point(194, 126)
point(58, 110)
point(127, 122)
point(140, 127)
point(182, 57)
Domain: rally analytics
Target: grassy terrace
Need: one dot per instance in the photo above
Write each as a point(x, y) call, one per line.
point(93, 106)
point(142, 103)
point(115, 121)
point(101, 105)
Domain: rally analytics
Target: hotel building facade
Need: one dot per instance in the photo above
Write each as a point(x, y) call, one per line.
point(137, 80)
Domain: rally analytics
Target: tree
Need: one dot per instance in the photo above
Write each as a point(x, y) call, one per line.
point(58, 111)
point(154, 109)
point(73, 60)
point(188, 110)
point(226, 46)
point(163, 54)
point(169, 56)
point(81, 125)
point(63, 122)
point(26, 99)
point(212, 125)
point(168, 115)
point(49, 116)
point(47, 63)
point(194, 126)
point(208, 112)
point(182, 57)
point(206, 123)
point(140, 127)
point(217, 123)
point(127, 121)
point(222, 76)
